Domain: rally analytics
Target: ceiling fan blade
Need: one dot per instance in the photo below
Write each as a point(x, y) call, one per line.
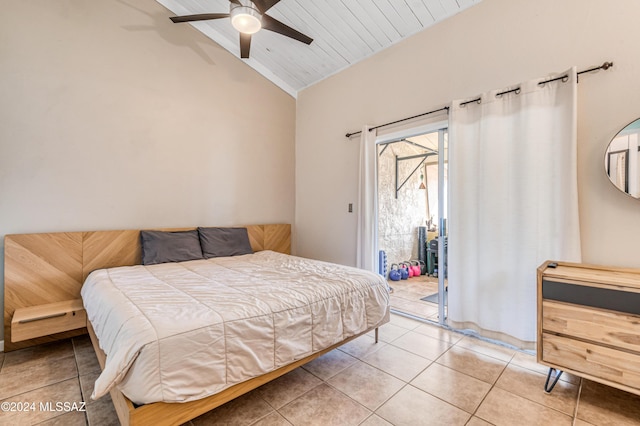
point(264, 5)
point(271, 24)
point(245, 45)
point(200, 17)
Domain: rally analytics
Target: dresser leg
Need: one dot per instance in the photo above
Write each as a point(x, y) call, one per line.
point(376, 334)
point(558, 373)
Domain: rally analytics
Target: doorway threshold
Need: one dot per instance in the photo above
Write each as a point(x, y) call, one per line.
point(423, 320)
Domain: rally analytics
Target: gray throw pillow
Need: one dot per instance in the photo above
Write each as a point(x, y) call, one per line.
point(163, 246)
point(219, 242)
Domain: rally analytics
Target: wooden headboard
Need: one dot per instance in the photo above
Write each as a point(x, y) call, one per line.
point(47, 268)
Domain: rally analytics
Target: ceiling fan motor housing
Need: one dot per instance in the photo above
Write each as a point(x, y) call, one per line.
point(245, 17)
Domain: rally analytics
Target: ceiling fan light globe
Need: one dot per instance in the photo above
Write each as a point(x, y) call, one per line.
point(246, 19)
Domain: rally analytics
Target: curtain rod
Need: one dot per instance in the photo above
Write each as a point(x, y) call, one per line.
point(604, 66)
point(401, 120)
point(564, 79)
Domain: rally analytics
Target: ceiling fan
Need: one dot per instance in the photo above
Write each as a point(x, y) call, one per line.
point(248, 17)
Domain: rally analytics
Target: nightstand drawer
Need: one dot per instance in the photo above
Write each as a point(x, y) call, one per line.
point(597, 361)
point(611, 328)
point(43, 320)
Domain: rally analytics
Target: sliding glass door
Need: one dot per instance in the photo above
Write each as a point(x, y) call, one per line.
point(412, 219)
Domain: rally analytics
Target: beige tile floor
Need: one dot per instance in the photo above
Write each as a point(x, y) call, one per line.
point(418, 374)
point(407, 294)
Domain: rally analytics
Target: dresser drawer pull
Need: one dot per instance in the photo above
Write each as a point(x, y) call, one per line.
point(61, 314)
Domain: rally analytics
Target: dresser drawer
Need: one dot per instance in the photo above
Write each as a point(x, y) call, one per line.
point(597, 361)
point(43, 320)
point(597, 325)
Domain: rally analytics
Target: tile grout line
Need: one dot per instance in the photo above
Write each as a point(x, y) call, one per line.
point(530, 400)
point(429, 393)
point(372, 412)
point(75, 357)
point(493, 385)
point(522, 367)
point(348, 396)
point(451, 345)
point(55, 383)
point(539, 403)
point(453, 369)
point(406, 383)
point(274, 410)
point(329, 385)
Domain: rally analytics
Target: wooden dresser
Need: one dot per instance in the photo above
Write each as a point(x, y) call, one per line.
point(589, 323)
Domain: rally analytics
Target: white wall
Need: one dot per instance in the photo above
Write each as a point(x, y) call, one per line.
point(112, 117)
point(492, 45)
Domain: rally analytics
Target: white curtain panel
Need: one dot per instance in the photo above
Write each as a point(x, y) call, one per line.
point(367, 209)
point(513, 204)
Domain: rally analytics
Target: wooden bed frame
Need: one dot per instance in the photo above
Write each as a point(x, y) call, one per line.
point(164, 413)
point(51, 267)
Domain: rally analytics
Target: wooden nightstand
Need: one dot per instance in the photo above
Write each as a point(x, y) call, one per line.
point(589, 323)
point(43, 320)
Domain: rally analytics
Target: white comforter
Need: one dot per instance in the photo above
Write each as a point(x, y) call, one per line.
point(179, 332)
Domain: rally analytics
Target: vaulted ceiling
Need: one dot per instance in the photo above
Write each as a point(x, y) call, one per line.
point(344, 32)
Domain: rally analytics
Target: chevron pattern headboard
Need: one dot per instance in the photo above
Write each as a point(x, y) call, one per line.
point(47, 268)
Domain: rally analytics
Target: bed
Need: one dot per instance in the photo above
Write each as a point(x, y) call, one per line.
point(233, 324)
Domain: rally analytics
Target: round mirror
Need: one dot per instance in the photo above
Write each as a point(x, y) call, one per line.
point(622, 160)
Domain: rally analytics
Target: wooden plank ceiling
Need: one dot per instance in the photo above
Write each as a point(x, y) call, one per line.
point(344, 32)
